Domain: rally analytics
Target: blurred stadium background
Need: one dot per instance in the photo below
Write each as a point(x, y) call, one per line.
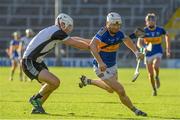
point(89, 16)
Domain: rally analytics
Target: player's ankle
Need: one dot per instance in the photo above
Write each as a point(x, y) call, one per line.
point(134, 109)
point(154, 89)
point(38, 95)
point(89, 81)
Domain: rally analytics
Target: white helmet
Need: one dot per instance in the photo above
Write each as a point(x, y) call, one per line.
point(150, 16)
point(27, 31)
point(113, 18)
point(66, 19)
point(16, 33)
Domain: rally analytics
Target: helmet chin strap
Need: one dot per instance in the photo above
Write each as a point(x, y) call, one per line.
point(59, 22)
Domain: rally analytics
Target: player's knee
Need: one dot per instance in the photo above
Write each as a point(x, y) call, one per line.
point(156, 67)
point(13, 68)
point(56, 84)
point(150, 75)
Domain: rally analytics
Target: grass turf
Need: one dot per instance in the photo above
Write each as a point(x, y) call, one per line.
point(71, 102)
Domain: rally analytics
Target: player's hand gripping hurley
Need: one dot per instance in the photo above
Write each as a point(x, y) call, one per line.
point(136, 73)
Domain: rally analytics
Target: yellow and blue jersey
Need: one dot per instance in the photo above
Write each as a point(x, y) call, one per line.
point(108, 54)
point(155, 37)
point(15, 44)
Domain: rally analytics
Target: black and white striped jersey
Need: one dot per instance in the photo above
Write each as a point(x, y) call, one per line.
point(25, 41)
point(44, 42)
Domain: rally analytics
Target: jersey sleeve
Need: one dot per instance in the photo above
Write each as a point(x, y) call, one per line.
point(12, 43)
point(98, 37)
point(100, 34)
point(22, 41)
point(59, 35)
point(163, 31)
point(123, 36)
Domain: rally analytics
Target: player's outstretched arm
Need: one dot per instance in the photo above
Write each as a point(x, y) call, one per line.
point(128, 42)
point(95, 53)
point(82, 39)
point(168, 51)
point(78, 42)
point(138, 33)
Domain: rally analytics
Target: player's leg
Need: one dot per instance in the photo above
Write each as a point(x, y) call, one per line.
point(103, 85)
point(156, 66)
point(8, 52)
point(112, 71)
point(149, 66)
point(20, 71)
point(39, 71)
point(46, 95)
point(25, 77)
point(13, 68)
point(99, 83)
point(119, 89)
point(50, 80)
point(51, 83)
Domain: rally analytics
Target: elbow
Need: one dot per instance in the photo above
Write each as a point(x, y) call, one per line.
point(91, 46)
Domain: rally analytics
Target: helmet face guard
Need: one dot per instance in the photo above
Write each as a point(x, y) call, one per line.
point(16, 35)
point(114, 18)
point(66, 19)
point(58, 21)
point(29, 32)
point(151, 18)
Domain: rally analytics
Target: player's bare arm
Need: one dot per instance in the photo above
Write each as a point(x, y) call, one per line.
point(77, 42)
point(94, 51)
point(140, 42)
point(82, 39)
point(167, 40)
point(128, 42)
point(11, 48)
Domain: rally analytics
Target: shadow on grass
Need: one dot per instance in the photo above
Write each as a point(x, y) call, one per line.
point(93, 117)
point(121, 116)
point(164, 117)
point(62, 101)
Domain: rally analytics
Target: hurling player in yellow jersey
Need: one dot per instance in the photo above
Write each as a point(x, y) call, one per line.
point(154, 35)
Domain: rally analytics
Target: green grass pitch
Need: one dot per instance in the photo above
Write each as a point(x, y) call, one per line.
point(71, 102)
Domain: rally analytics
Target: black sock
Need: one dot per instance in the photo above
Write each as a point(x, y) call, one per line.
point(134, 109)
point(89, 81)
point(154, 89)
point(12, 74)
point(38, 96)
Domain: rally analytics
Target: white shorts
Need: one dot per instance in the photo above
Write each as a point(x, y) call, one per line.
point(150, 59)
point(16, 59)
point(110, 72)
